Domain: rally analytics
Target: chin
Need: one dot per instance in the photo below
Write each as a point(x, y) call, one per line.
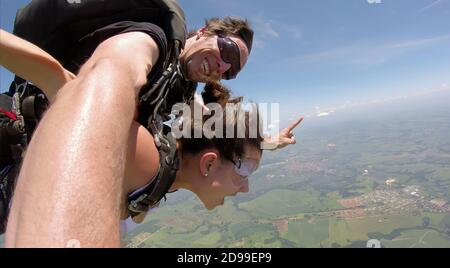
point(213, 206)
point(210, 207)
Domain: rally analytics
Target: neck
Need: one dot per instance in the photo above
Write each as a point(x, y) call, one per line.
point(185, 176)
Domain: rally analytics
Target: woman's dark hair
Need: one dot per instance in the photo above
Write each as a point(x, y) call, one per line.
point(229, 148)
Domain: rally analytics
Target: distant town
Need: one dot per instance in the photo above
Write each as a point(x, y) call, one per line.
point(391, 199)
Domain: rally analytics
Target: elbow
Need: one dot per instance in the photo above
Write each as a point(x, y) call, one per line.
point(56, 79)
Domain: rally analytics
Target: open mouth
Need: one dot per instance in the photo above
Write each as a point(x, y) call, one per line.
point(206, 68)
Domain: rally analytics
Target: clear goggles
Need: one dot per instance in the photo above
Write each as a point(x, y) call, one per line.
point(245, 167)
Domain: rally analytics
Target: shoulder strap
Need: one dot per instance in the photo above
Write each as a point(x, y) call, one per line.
point(151, 195)
point(171, 88)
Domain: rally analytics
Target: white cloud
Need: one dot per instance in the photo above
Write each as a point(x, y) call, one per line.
point(267, 29)
point(418, 43)
point(322, 114)
point(368, 54)
point(288, 30)
point(263, 29)
point(430, 6)
point(348, 105)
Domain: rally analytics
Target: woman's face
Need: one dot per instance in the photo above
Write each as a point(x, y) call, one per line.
point(224, 180)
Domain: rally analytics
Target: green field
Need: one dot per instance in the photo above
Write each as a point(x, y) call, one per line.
point(330, 231)
point(285, 203)
point(418, 239)
point(308, 233)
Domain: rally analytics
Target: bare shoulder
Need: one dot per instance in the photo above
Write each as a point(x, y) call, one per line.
point(143, 156)
point(132, 45)
point(135, 50)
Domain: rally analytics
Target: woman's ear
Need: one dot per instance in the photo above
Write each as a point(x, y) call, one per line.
point(207, 163)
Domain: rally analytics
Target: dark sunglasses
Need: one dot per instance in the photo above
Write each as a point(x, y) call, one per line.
point(229, 52)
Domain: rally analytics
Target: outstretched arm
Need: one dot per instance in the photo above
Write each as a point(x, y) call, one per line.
point(33, 64)
point(70, 184)
point(285, 137)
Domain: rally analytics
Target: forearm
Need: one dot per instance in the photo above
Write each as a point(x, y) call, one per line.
point(33, 64)
point(74, 191)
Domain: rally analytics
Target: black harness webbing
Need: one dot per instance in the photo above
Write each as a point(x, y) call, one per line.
point(170, 82)
point(150, 196)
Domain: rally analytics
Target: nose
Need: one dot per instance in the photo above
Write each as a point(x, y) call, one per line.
point(222, 67)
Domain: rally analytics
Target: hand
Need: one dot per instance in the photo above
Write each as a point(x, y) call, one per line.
point(198, 101)
point(285, 137)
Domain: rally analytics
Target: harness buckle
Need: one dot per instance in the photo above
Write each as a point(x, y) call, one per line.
point(135, 205)
point(20, 123)
point(21, 88)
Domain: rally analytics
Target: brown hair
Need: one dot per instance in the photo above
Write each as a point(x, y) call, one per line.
point(229, 148)
point(231, 26)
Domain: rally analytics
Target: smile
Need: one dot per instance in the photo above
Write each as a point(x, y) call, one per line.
point(206, 68)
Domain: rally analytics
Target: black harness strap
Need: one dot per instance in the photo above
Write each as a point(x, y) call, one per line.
point(150, 196)
point(157, 102)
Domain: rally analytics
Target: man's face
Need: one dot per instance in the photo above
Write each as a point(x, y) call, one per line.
point(203, 61)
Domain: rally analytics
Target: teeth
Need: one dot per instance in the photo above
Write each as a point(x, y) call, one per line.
point(206, 67)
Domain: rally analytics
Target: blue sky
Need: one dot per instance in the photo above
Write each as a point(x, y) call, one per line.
point(328, 53)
